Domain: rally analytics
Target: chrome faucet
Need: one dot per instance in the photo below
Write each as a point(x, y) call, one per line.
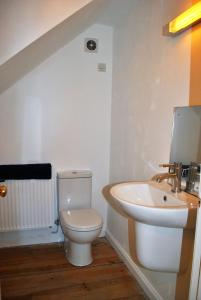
point(193, 176)
point(175, 171)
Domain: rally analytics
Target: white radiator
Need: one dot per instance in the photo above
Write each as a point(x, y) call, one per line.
point(28, 204)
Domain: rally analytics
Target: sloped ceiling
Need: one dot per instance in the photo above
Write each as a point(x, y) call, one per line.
point(43, 47)
point(107, 12)
point(22, 22)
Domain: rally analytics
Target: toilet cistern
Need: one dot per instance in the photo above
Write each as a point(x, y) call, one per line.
point(174, 173)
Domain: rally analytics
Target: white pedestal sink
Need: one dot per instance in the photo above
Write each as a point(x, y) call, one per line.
point(161, 216)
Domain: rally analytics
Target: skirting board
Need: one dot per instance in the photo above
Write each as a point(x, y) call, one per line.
point(32, 237)
point(29, 237)
point(145, 284)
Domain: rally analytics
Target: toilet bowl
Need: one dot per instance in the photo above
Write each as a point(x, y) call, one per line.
point(80, 228)
point(79, 222)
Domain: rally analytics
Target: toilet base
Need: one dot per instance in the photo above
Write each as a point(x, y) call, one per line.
point(79, 254)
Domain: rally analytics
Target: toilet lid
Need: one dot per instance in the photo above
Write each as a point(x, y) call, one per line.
point(81, 219)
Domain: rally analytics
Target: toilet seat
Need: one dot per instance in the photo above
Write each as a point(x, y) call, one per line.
point(81, 219)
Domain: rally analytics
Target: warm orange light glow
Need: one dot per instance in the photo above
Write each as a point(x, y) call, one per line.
point(186, 19)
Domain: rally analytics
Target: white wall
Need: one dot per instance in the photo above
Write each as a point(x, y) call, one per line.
point(150, 77)
point(60, 112)
point(195, 286)
point(23, 21)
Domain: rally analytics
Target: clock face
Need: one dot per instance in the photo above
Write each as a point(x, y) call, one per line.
point(91, 45)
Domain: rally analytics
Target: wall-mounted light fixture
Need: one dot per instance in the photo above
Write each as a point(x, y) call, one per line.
point(186, 19)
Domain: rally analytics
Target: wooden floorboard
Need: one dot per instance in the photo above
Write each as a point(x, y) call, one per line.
point(42, 272)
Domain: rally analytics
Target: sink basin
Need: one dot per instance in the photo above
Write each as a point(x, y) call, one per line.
point(162, 219)
point(148, 204)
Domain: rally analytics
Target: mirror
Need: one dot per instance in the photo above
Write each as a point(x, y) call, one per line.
point(186, 135)
point(186, 141)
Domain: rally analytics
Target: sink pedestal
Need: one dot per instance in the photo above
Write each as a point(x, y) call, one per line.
point(158, 248)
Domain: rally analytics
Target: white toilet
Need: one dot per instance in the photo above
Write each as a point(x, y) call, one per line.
point(80, 223)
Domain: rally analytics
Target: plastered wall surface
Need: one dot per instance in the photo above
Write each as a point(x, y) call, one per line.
point(195, 74)
point(60, 112)
point(150, 77)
